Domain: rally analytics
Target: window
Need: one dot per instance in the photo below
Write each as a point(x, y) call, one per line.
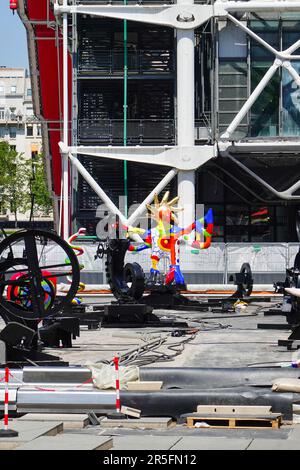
point(29, 131)
point(13, 89)
point(264, 114)
point(12, 133)
point(13, 116)
point(2, 90)
point(39, 131)
point(29, 92)
point(2, 113)
point(29, 111)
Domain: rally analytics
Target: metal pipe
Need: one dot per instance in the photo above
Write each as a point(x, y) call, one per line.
point(294, 74)
point(65, 162)
point(125, 112)
point(103, 196)
point(65, 401)
point(287, 194)
point(254, 35)
point(161, 185)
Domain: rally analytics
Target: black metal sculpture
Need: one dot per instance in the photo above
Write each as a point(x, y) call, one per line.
point(28, 294)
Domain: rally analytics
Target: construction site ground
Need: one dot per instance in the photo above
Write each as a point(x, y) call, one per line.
point(223, 340)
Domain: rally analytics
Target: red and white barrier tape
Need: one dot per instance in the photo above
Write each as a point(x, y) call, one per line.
point(42, 389)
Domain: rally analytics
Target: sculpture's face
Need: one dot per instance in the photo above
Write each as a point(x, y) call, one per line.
point(165, 214)
point(164, 211)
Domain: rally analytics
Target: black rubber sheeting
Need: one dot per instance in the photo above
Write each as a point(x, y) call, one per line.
point(174, 403)
point(210, 378)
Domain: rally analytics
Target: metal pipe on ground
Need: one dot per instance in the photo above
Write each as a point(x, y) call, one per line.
point(179, 377)
point(171, 403)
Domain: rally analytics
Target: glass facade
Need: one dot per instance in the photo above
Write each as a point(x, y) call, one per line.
point(243, 62)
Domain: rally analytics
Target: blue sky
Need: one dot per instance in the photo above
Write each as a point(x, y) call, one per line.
point(13, 43)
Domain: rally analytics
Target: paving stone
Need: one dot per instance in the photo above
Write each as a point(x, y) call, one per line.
point(211, 443)
point(69, 442)
point(70, 421)
point(29, 430)
point(275, 444)
point(145, 423)
point(144, 442)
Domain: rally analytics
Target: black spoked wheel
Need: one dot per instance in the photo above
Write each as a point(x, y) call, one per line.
point(32, 263)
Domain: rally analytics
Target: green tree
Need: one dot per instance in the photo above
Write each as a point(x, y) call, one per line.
point(23, 183)
point(13, 180)
point(40, 197)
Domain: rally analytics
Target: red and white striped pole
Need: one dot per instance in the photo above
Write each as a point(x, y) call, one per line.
point(117, 414)
point(5, 432)
point(6, 399)
point(118, 401)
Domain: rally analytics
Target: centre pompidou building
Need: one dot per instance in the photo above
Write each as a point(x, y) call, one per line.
point(198, 97)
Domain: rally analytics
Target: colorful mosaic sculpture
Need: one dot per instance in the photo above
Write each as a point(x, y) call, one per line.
point(164, 239)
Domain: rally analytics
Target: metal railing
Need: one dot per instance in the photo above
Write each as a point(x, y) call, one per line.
point(139, 131)
point(135, 2)
point(111, 62)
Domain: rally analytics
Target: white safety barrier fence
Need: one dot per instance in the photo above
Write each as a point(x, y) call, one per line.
point(268, 261)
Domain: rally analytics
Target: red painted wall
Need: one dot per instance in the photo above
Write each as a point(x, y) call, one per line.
point(50, 63)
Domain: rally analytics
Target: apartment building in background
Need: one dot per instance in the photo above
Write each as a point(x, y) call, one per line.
point(18, 125)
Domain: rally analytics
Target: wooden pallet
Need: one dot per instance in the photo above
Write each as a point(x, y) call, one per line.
point(272, 421)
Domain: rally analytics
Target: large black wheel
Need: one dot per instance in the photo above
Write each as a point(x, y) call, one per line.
point(126, 283)
point(135, 280)
point(31, 262)
point(247, 279)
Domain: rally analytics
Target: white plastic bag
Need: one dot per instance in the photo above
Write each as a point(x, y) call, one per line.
point(104, 375)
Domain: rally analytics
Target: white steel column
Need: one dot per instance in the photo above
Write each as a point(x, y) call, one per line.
point(186, 115)
point(65, 160)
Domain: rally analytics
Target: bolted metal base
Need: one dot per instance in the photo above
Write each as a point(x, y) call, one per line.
point(8, 433)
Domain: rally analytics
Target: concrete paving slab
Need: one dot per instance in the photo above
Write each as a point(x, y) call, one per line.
point(145, 423)
point(144, 442)
point(28, 431)
point(275, 444)
point(70, 421)
point(211, 443)
point(69, 442)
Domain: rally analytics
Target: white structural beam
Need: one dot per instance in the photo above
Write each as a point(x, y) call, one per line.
point(258, 6)
point(108, 202)
point(161, 185)
point(275, 147)
point(185, 16)
point(186, 115)
point(101, 193)
point(294, 74)
point(182, 158)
